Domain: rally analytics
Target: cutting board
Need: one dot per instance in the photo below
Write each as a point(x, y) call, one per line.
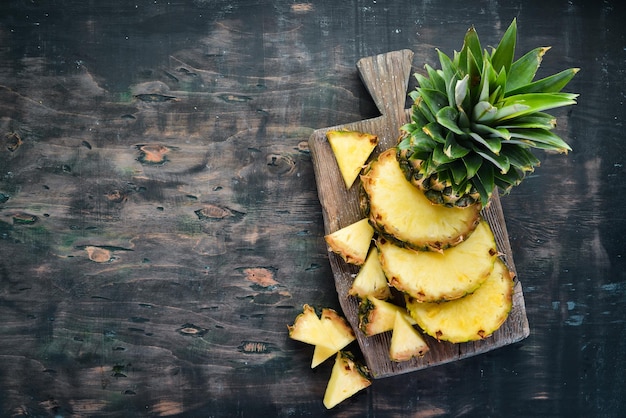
point(386, 77)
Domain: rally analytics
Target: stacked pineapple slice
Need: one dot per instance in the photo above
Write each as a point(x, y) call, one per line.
point(435, 255)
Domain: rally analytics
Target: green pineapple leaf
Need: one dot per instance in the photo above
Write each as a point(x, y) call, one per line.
point(476, 120)
point(524, 69)
point(552, 84)
point(502, 57)
point(447, 117)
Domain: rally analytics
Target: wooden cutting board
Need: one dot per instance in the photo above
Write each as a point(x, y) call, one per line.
point(386, 77)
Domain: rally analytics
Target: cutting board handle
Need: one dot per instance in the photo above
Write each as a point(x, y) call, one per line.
point(386, 77)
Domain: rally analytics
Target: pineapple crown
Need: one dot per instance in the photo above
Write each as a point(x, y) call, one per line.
point(475, 120)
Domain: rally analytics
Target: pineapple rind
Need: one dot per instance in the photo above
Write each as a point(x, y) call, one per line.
point(351, 150)
point(406, 341)
point(400, 211)
point(346, 379)
point(437, 276)
point(471, 318)
point(352, 243)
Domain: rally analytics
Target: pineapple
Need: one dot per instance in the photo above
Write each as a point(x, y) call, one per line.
point(429, 276)
point(328, 334)
point(346, 379)
point(307, 328)
point(401, 212)
point(337, 331)
point(371, 279)
point(320, 354)
point(473, 317)
point(475, 121)
point(351, 149)
point(352, 242)
point(406, 341)
point(377, 316)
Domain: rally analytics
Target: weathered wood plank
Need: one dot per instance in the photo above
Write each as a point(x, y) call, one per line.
point(386, 77)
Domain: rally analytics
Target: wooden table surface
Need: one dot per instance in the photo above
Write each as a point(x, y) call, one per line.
point(160, 224)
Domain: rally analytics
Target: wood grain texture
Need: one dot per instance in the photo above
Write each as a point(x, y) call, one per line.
point(386, 77)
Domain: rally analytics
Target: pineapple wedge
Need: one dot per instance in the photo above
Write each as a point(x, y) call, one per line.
point(320, 354)
point(430, 276)
point(346, 379)
point(400, 211)
point(352, 242)
point(371, 279)
point(328, 334)
point(377, 316)
point(307, 328)
point(351, 149)
point(472, 317)
point(406, 341)
point(337, 331)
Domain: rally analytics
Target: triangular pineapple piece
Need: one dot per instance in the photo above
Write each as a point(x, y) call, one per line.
point(351, 149)
point(472, 317)
point(338, 332)
point(430, 276)
point(371, 280)
point(406, 341)
point(308, 328)
point(320, 354)
point(377, 316)
point(352, 242)
point(346, 379)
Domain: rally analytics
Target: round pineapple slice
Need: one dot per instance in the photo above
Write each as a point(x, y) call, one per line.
point(429, 276)
point(474, 317)
point(401, 211)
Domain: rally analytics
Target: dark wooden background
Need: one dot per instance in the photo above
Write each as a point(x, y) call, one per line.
point(160, 224)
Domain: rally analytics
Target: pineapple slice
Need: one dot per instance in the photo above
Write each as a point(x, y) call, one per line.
point(307, 328)
point(351, 149)
point(346, 379)
point(337, 331)
point(473, 317)
point(406, 341)
point(320, 354)
point(328, 334)
point(371, 279)
point(429, 276)
point(352, 242)
point(377, 316)
point(400, 211)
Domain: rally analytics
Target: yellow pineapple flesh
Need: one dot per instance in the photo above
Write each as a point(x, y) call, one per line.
point(328, 334)
point(430, 276)
point(338, 331)
point(352, 242)
point(351, 150)
point(406, 341)
point(320, 354)
point(400, 211)
point(371, 280)
point(377, 316)
point(346, 379)
point(473, 317)
point(307, 328)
